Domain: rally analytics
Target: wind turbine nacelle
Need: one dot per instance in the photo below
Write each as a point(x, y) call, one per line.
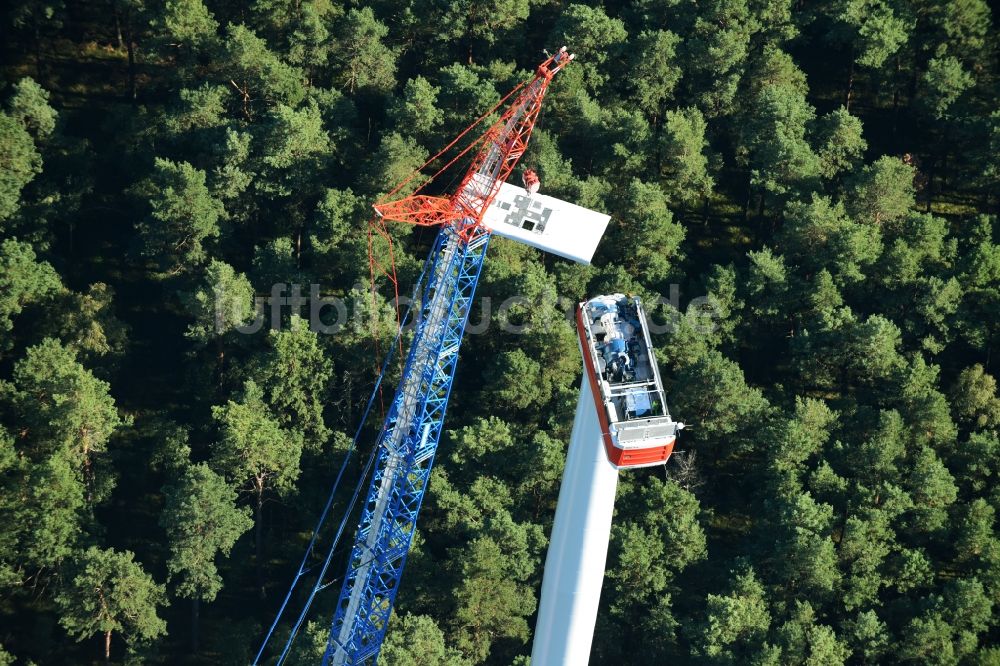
point(547, 223)
point(620, 365)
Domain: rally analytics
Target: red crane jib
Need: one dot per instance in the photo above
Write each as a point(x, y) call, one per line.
point(503, 144)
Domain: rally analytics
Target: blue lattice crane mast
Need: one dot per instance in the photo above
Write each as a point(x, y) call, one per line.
point(409, 437)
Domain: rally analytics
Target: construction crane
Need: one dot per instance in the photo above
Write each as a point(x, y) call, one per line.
point(409, 438)
point(483, 204)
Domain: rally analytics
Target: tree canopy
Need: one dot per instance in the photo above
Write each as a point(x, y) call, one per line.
point(193, 312)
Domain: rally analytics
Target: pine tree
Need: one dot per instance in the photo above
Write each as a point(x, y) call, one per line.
point(21, 162)
point(655, 71)
point(362, 60)
point(684, 156)
point(23, 280)
point(255, 453)
point(201, 520)
point(108, 592)
point(65, 411)
point(294, 375)
point(736, 622)
point(882, 192)
point(183, 216)
point(416, 640)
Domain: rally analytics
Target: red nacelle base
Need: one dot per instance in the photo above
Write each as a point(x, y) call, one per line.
point(619, 457)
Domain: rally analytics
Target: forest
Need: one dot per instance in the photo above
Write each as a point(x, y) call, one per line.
point(818, 183)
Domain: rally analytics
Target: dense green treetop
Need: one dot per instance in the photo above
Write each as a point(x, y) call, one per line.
point(110, 592)
point(201, 521)
point(805, 196)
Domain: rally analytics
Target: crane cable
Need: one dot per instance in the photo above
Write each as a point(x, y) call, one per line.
point(458, 138)
point(303, 568)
